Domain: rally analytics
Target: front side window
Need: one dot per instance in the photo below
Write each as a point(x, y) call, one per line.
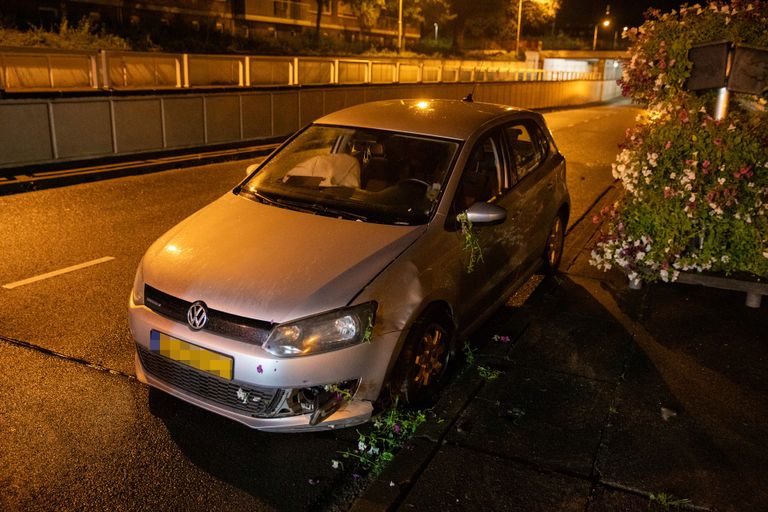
point(371, 175)
point(482, 178)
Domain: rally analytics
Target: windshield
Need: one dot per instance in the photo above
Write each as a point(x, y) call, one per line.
point(355, 173)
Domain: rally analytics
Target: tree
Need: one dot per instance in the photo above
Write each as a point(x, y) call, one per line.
point(320, 5)
point(368, 11)
point(536, 15)
point(497, 19)
point(479, 12)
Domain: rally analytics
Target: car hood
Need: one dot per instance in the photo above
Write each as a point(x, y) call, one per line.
point(270, 263)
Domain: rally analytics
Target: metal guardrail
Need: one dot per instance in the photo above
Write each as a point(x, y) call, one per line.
point(30, 70)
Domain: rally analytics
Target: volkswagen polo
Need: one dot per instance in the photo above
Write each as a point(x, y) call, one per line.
point(346, 265)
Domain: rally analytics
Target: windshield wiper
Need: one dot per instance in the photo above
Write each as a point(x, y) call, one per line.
point(335, 212)
point(308, 207)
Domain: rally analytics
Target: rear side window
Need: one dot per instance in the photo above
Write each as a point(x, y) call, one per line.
point(527, 146)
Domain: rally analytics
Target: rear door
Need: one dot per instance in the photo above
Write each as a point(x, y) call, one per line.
point(528, 151)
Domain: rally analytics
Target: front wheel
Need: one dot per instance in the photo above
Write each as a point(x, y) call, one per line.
point(553, 252)
point(425, 359)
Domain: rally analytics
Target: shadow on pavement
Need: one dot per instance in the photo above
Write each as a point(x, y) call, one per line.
point(608, 396)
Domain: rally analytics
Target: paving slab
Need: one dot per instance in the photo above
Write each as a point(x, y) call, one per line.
point(570, 332)
point(550, 419)
point(689, 413)
point(611, 500)
point(463, 479)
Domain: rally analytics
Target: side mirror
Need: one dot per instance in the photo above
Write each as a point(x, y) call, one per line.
point(487, 214)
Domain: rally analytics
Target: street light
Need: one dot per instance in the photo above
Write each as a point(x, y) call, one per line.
point(435, 31)
point(606, 23)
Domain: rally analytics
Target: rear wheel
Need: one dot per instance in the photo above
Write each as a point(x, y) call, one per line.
point(425, 359)
point(553, 252)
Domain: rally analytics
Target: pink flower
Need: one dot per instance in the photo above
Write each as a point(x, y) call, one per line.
point(718, 141)
point(744, 171)
point(668, 144)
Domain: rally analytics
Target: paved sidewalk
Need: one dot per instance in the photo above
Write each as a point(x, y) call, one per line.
point(610, 399)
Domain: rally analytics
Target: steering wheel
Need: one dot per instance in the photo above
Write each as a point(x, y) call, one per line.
point(415, 180)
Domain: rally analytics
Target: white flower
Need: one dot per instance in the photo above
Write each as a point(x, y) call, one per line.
point(664, 275)
point(361, 446)
point(335, 464)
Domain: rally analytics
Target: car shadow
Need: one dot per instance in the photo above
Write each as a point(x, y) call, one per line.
point(282, 471)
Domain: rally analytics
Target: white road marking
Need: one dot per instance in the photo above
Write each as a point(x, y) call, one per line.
point(59, 272)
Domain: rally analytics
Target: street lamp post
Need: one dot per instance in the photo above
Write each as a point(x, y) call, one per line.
point(606, 23)
point(400, 27)
point(519, 26)
point(435, 31)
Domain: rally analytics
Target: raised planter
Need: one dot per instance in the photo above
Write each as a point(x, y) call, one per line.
point(755, 289)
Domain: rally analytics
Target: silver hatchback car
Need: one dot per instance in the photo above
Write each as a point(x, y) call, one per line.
point(349, 262)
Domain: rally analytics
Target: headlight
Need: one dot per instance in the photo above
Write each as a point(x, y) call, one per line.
point(138, 285)
point(323, 333)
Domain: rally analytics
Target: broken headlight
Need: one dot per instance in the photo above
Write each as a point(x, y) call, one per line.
point(324, 332)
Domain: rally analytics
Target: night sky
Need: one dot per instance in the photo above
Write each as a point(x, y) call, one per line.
point(623, 12)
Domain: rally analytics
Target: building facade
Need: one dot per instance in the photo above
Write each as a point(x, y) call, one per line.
point(242, 18)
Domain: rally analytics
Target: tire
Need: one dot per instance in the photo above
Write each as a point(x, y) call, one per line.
point(553, 252)
point(425, 360)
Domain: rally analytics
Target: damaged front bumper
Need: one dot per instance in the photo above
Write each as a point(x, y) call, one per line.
point(321, 392)
point(346, 414)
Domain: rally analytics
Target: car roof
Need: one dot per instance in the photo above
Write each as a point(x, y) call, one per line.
point(454, 119)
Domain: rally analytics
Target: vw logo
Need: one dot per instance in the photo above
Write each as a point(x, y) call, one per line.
point(197, 315)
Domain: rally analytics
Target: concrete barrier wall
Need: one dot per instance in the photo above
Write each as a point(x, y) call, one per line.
point(44, 131)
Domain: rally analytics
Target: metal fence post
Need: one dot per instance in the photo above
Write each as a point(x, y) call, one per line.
point(94, 73)
point(335, 71)
point(105, 81)
point(185, 70)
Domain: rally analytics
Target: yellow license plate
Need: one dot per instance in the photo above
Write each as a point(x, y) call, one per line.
point(200, 358)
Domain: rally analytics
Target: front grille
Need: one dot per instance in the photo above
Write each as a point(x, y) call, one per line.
point(219, 322)
point(260, 402)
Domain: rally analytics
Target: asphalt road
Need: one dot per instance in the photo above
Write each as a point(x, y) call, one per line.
point(77, 431)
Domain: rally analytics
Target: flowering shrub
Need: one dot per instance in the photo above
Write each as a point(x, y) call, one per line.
point(658, 65)
point(696, 188)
